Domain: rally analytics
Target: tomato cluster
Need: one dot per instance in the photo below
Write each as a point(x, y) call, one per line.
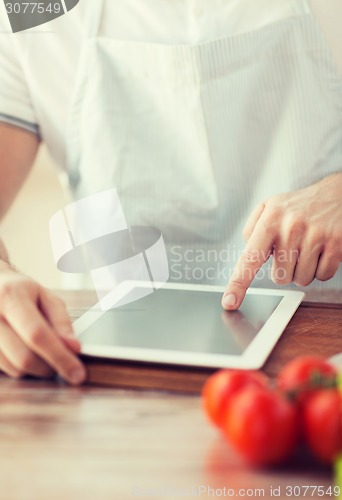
point(266, 422)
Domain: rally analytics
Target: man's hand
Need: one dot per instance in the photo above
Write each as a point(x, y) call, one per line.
point(303, 233)
point(36, 336)
point(35, 330)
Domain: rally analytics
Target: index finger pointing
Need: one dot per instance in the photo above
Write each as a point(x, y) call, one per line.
point(255, 254)
point(252, 221)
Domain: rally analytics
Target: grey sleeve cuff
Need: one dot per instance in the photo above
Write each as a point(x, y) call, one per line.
point(18, 122)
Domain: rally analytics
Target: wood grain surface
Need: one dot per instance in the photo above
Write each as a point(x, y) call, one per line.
point(58, 442)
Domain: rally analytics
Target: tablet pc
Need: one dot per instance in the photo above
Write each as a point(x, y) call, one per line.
point(183, 324)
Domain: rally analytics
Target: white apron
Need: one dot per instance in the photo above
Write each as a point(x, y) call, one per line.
point(194, 136)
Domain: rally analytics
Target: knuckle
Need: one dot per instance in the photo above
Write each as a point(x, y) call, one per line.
point(237, 282)
point(333, 248)
point(56, 301)
point(295, 225)
point(251, 256)
point(330, 254)
point(318, 236)
point(13, 290)
point(37, 335)
point(8, 292)
point(29, 286)
point(272, 214)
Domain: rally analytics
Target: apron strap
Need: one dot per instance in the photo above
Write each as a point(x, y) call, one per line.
point(93, 18)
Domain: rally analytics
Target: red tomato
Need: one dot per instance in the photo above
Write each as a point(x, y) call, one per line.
point(262, 426)
point(322, 423)
point(222, 385)
point(305, 373)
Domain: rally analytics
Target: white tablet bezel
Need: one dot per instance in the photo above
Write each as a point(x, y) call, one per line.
point(253, 357)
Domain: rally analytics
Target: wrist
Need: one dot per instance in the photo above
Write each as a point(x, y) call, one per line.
point(330, 184)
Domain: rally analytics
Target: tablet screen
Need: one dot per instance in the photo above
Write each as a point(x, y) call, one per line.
point(182, 320)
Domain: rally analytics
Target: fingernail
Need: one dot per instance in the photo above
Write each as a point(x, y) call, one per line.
point(77, 376)
point(229, 300)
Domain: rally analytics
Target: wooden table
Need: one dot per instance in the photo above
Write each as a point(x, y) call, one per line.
point(58, 442)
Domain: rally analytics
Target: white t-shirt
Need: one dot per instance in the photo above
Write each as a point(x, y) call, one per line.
point(38, 67)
